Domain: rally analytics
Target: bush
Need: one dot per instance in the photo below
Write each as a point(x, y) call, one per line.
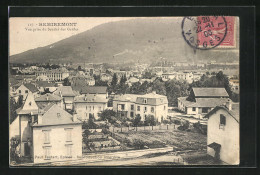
point(177, 122)
point(138, 144)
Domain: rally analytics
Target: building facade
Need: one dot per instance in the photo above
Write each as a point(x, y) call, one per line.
point(223, 133)
point(132, 105)
point(53, 75)
point(57, 136)
point(89, 106)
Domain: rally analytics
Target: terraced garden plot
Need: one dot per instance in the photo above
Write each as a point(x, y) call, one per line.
point(180, 140)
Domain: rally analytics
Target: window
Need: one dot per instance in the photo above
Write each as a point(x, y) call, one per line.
point(164, 107)
point(222, 119)
point(131, 114)
point(20, 91)
point(89, 108)
point(68, 134)
point(69, 150)
point(193, 109)
point(26, 91)
point(86, 107)
point(58, 115)
point(138, 108)
point(152, 109)
point(93, 107)
point(123, 107)
point(145, 108)
point(132, 107)
point(204, 110)
point(99, 108)
point(145, 101)
point(30, 103)
point(47, 152)
point(46, 136)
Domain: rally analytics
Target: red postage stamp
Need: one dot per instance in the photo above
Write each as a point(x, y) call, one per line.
point(213, 28)
point(208, 32)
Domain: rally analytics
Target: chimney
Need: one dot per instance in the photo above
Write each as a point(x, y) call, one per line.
point(229, 104)
point(40, 117)
point(74, 118)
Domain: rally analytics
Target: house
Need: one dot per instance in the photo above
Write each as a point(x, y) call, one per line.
point(100, 91)
point(89, 105)
point(202, 100)
point(26, 114)
point(132, 80)
point(25, 89)
point(223, 133)
point(44, 100)
point(105, 77)
point(42, 78)
point(185, 76)
point(67, 94)
point(131, 105)
point(54, 74)
point(58, 136)
point(46, 85)
point(79, 81)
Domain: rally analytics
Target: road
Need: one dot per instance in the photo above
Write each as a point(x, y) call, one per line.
point(123, 158)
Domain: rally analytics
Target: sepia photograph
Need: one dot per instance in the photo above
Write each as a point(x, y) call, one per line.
point(124, 91)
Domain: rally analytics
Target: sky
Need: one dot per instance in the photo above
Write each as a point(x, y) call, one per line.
point(21, 40)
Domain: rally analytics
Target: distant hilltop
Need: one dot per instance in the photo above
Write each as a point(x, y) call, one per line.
point(135, 40)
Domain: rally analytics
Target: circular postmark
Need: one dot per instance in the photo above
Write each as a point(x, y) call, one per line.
point(204, 32)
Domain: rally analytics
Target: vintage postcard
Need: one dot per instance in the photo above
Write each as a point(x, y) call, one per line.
point(124, 91)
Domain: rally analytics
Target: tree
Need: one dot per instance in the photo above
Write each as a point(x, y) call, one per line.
point(114, 80)
point(66, 82)
point(13, 108)
point(123, 79)
point(174, 90)
point(106, 115)
point(150, 121)
point(147, 75)
point(137, 120)
point(159, 87)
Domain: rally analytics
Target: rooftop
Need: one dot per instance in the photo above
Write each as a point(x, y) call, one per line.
point(45, 84)
point(94, 90)
point(214, 92)
point(152, 98)
point(55, 115)
point(48, 97)
point(65, 91)
point(89, 98)
point(31, 87)
point(208, 102)
point(234, 112)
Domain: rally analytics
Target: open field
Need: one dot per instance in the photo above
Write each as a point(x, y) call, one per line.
point(179, 140)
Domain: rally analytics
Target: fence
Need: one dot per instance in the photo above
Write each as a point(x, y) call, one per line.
point(143, 128)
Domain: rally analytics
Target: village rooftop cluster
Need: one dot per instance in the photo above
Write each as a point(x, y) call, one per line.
point(63, 112)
